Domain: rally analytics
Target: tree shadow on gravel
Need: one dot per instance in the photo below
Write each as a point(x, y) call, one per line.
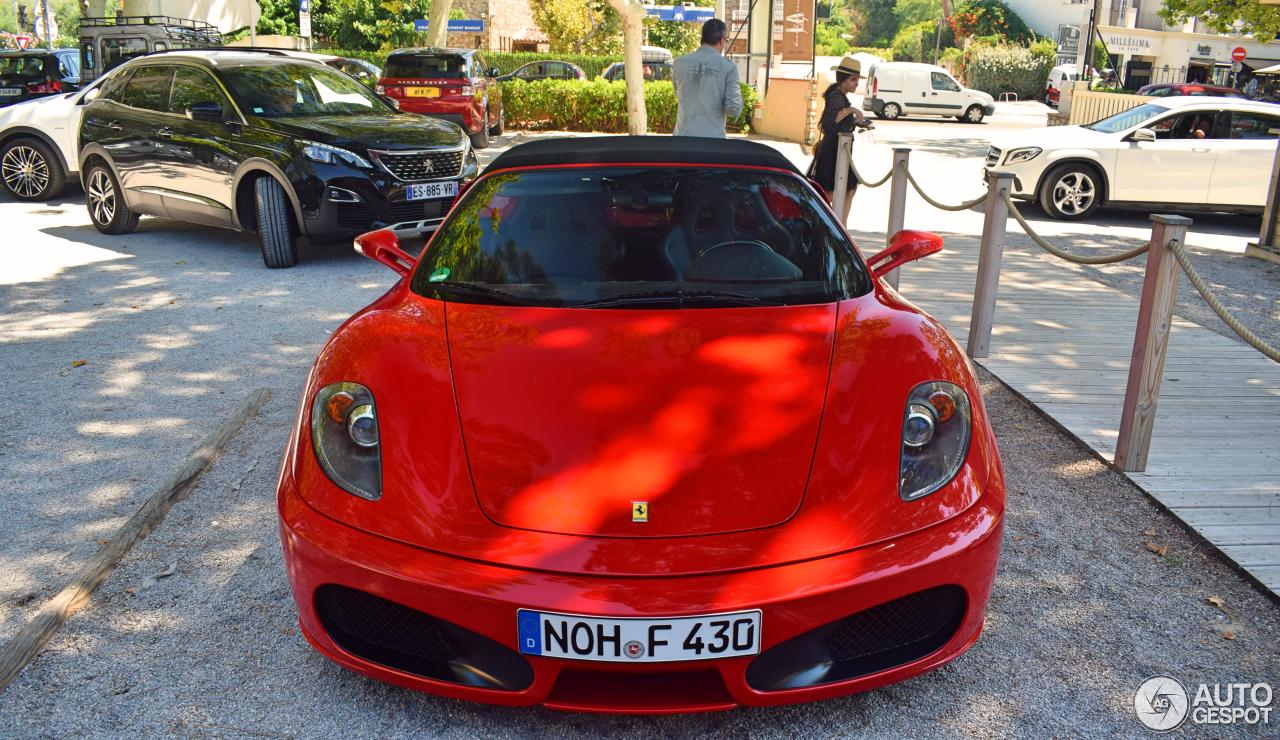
point(133, 359)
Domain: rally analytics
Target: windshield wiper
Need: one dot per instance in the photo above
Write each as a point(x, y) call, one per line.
point(679, 297)
point(449, 286)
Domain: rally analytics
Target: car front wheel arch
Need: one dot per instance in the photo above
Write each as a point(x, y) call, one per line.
point(246, 211)
point(1056, 172)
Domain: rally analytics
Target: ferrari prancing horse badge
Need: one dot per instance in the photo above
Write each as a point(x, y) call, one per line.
point(639, 511)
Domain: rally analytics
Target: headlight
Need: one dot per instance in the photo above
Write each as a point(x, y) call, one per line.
point(935, 438)
point(470, 165)
point(325, 154)
point(344, 434)
point(1026, 154)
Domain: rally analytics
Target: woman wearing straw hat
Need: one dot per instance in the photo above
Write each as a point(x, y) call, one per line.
point(836, 113)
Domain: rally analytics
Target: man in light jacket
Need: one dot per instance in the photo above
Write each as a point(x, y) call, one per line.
point(706, 86)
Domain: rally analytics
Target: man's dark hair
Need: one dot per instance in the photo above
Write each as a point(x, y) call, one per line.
point(713, 32)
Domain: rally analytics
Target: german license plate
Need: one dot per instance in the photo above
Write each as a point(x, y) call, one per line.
point(10, 91)
point(422, 92)
point(578, 637)
point(429, 190)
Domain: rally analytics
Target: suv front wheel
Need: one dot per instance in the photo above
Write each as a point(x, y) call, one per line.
point(480, 139)
point(105, 201)
point(275, 228)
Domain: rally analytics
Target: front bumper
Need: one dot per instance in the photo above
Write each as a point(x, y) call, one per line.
point(339, 202)
point(989, 109)
point(794, 600)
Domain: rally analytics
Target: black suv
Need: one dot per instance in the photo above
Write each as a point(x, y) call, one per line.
point(34, 74)
point(267, 143)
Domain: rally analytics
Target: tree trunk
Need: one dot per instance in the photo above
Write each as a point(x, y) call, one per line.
point(438, 22)
point(946, 10)
point(632, 12)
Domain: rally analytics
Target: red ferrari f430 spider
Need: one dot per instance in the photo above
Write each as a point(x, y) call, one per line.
point(641, 430)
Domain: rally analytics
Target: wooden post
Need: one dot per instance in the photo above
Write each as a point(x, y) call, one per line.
point(1150, 340)
point(991, 253)
point(897, 201)
point(844, 151)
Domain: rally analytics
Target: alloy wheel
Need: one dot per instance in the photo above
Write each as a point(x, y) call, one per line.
point(102, 196)
point(1074, 193)
point(25, 171)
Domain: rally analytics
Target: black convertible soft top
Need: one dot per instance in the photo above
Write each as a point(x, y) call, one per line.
point(637, 149)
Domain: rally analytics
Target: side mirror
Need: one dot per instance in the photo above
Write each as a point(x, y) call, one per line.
point(494, 71)
point(390, 101)
point(384, 246)
point(90, 96)
point(905, 246)
point(1143, 134)
point(206, 111)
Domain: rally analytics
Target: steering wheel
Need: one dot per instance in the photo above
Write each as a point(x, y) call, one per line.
point(754, 243)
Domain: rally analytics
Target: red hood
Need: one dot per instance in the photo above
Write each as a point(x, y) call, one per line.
point(571, 416)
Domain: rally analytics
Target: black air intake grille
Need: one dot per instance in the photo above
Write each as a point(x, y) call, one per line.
point(421, 165)
point(394, 635)
point(882, 637)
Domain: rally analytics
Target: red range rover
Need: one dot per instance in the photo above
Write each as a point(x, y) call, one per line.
point(453, 84)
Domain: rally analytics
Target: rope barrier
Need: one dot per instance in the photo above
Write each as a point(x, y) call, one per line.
point(1202, 288)
point(1063, 254)
point(942, 206)
point(862, 181)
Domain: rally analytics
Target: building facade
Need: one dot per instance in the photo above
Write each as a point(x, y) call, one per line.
point(1143, 48)
point(508, 26)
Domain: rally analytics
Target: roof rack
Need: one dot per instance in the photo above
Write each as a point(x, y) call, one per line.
point(179, 28)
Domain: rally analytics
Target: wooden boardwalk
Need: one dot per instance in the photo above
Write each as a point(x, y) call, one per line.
point(1063, 342)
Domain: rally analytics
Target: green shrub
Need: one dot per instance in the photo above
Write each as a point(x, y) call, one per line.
point(876, 51)
point(915, 43)
point(1001, 69)
point(506, 61)
point(597, 105)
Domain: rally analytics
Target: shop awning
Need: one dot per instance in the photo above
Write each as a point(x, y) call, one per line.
point(1272, 70)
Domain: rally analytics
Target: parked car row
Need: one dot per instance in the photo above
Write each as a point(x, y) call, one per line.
point(271, 142)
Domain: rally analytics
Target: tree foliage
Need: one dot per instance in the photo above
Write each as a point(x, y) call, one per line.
point(873, 21)
point(590, 27)
point(912, 12)
point(279, 18)
point(989, 18)
point(677, 36)
point(369, 24)
point(1260, 21)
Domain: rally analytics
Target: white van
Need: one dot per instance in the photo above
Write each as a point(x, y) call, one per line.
point(1060, 78)
point(907, 88)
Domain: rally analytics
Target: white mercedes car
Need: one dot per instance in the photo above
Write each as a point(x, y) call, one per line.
point(39, 143)
point(1183, 153)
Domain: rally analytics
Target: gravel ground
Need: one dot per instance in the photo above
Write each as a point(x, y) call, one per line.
point(1072, 629)
point(177, 323)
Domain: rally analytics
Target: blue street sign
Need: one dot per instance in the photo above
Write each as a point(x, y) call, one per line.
point(304, 6)
point(687, 14)
point(458, 25)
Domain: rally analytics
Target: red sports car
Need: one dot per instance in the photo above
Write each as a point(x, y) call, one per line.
point(641, 431)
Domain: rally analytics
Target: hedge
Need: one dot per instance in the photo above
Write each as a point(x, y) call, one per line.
point(507, 61)
point(1001, 69)
point(597, 105)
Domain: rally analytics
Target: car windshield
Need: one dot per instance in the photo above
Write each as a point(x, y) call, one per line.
point(640, 237)
point(427, 66)
point(290, 89)
point(1128, 119)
